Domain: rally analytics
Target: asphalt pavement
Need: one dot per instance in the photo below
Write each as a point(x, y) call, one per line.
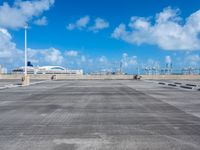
point(99, 115)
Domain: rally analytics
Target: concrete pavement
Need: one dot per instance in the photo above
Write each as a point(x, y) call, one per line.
point(101, 115)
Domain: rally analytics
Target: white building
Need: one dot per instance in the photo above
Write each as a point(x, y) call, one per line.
point(3, 70)
point(47, 70)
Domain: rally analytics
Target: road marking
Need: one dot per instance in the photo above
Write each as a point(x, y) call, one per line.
point(9, 86)
point(175, 84)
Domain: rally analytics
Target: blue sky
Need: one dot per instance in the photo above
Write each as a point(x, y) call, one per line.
point(98, 34)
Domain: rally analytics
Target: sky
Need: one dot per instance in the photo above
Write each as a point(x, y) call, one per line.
point(96, 35)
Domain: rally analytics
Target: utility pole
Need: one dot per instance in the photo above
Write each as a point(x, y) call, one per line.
point(26, 78)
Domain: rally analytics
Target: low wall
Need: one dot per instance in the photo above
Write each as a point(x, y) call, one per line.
point(12, 76)
point(70, 77)
point(102, 77)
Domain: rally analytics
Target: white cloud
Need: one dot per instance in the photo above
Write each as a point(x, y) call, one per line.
point(128, 61)
point(83, 59)
point(71, 53)
point(71, 26)
point(53, 56)
point(42, 21)
point(99, 25)
point(8, 50)
point(103, 60)
point(84, 23)
point(124, 55)
point(6, 46)
point(168, 31)
point(80, 24)
point(168, 59)
point(50, 56)
point(193, 59)
point(17, 15)
point(11, 56)
point(133, 60)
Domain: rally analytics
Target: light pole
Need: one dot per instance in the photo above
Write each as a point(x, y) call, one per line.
point(25, 79)
point(25, 49)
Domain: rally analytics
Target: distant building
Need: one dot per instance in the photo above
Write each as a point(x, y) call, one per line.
point(47, 70)
point(3, 70)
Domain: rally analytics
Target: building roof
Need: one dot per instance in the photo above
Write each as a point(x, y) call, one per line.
point(53, 68)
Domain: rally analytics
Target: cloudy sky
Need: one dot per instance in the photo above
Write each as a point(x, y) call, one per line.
point(99, 34)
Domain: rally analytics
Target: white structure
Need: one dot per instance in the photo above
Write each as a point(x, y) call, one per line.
point(50, 70)
point(3, 70)
point(47, 70)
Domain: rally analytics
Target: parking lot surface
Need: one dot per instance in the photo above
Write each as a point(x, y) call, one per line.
point(4, 83)
point(99, 115)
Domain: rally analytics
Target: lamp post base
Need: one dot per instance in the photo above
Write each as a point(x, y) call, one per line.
point(26, 80)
